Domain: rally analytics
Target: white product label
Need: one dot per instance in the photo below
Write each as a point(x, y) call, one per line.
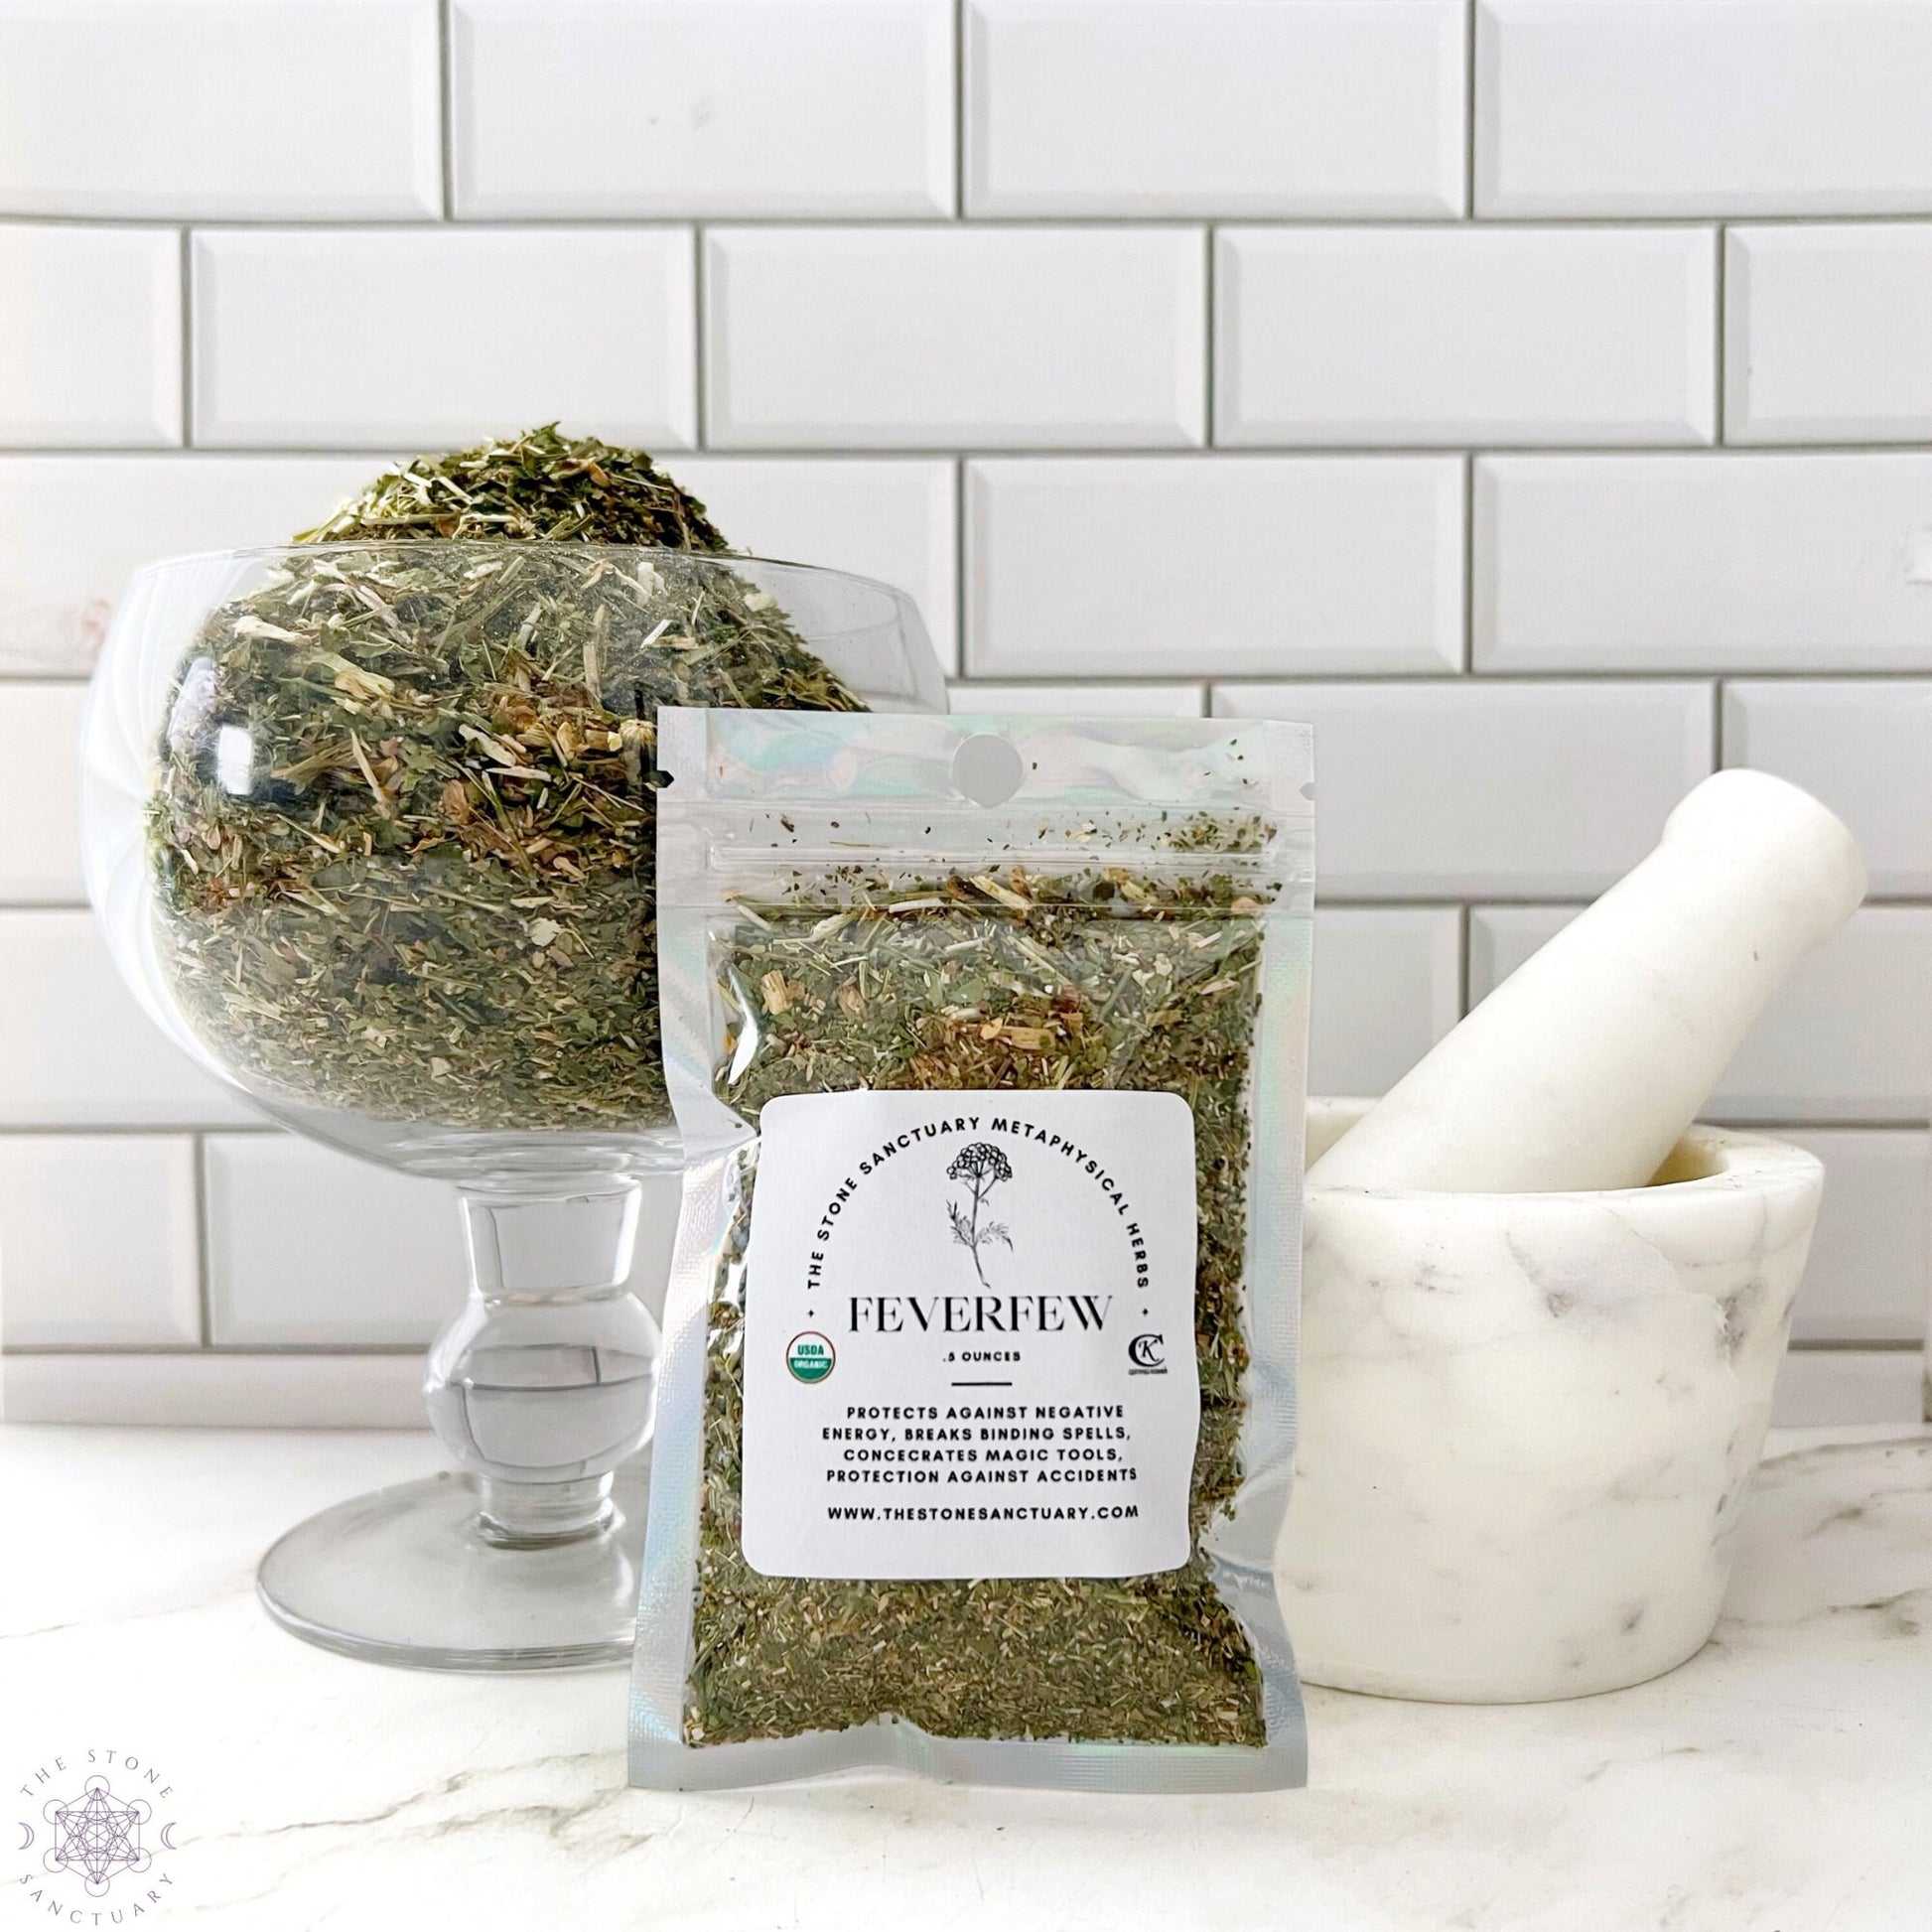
point(969, 1337)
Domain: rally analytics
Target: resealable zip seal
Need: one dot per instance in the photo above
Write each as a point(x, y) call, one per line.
point(758, 801)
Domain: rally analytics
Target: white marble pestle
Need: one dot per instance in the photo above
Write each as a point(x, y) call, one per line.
point(1533, 1388)
point(1584, 1066)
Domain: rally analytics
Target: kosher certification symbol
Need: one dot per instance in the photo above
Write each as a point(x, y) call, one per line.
point(810, 1356)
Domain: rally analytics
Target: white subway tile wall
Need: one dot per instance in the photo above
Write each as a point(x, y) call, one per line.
point(1321, 107)
point(1640, 107)
point(309, 109)
point(307, 1245)
point(1388, 985)
point(1851, 1385)
point(950, 336)
point(1843, 1041)
point(702, 107)
point(77, 1050)
point(1790, 562)
point(892, 517)
point(1862, 745)
point(98, 1242)
point(1471, 787)
point(1089, 700)
point(1827, 334)
point(73, 527)
point(1530, 393)
point(40, 800)
point(1864, 1282)
point(90, 345)
point(1465, 335)
point(369, 338)
point(308, 1248)
point(1164, 566)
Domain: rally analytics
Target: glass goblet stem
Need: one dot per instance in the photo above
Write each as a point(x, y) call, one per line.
point(541, 1384)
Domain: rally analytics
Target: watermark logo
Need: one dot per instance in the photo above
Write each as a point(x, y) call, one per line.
point(102, 1828)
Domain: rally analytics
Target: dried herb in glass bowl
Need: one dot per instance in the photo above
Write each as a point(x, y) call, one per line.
point(403, 832)
point(540, 486)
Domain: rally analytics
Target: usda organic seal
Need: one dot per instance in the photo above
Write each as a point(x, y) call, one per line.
point(809, 1357)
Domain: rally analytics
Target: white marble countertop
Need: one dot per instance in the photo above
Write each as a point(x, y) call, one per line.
point(1779, 1782)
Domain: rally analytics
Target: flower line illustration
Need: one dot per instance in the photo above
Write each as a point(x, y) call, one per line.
point(982, 1167)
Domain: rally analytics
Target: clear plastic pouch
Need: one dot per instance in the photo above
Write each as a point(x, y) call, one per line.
point(986, 1038)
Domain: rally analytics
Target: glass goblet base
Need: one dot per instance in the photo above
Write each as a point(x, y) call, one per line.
point(420, 1575)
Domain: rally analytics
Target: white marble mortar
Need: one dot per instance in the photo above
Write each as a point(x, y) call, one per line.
point(1528, 1421)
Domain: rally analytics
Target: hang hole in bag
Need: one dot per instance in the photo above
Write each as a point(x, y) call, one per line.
point(988, 770)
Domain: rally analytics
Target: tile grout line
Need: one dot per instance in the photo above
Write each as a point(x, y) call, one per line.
point(187, 1351)
point(1897, 449)
point(1469, 658)
point(1818, 1345)
point(699, 322)
point(1465, 940)
point(1210, 347)
point(54, 677)
point(1469, 109)
point(1721, 303)
point(186, 338)
point(960, 563)
point(58, 1130)
point(204, 1241)
point(1329, 679)
point(1552, 678)
point(445, 105)
point(959, 109)
point(787, 217)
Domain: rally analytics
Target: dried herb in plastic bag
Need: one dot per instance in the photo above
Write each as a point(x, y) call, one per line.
point(814, 949)
point(1000, 980)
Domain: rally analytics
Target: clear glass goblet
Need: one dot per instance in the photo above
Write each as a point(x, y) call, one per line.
point(370, 828)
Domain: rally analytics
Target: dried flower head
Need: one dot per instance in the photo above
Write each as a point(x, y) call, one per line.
point(977, 1162)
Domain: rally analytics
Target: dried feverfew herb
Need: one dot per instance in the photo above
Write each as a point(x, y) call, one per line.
point(1114, 978)
point(403, 836)
point(537, 485)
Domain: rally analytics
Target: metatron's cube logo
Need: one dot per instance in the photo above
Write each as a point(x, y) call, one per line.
point(809, 1357)
point(104, 1843)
